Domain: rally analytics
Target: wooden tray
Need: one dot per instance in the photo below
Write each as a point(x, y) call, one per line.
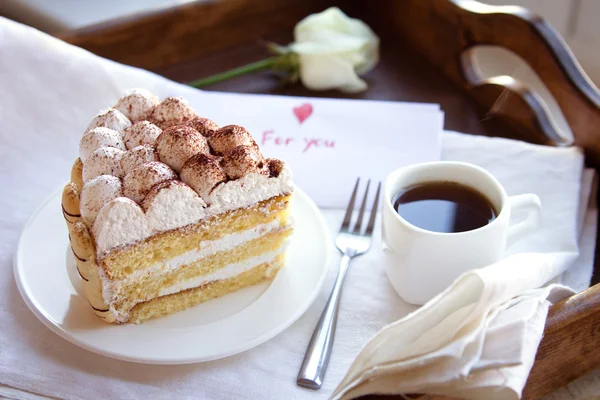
point(426, 57)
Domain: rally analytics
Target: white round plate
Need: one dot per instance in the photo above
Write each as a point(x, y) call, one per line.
point(47, 279)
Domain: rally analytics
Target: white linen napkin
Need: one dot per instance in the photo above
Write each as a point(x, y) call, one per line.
point(476, 340)
point(35, 160)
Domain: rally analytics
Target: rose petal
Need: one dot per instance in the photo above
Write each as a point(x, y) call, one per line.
point(371, 58)
point(322, 72)
point(334, 50)
point(327, 42)
point(332, 19)
point(354, 57)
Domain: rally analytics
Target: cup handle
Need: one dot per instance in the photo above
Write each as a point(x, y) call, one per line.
point(533, 206)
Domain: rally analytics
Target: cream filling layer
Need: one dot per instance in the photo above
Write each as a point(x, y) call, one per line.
point(206, 248)
point(227, 272)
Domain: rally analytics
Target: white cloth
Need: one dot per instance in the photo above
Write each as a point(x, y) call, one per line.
point(34, 161)
point(476, 340)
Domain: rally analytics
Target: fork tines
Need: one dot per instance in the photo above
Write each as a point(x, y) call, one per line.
point(357, 227)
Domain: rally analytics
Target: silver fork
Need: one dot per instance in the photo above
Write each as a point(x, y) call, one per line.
point(351, 243)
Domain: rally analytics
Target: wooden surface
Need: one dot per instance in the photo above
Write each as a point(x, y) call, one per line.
point(191, 31)
point(570, 347)
point(425, 58)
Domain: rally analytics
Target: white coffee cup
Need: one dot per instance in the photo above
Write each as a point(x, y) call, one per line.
point(420, 263)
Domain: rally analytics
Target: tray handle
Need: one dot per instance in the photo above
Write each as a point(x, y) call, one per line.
point(447, 31)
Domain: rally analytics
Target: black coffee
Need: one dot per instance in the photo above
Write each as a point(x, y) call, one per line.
point(444, 207)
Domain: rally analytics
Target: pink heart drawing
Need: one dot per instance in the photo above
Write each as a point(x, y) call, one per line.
point(303, 112)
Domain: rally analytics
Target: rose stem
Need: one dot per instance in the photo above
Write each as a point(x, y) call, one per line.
point(233, 73)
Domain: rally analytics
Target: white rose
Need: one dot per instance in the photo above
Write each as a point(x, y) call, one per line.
point(334, 50)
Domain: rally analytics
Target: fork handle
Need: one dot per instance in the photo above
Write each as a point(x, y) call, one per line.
point(319, 348)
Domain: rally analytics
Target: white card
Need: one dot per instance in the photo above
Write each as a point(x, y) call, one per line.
point(330, 142)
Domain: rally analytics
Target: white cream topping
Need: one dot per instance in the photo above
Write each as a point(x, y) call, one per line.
point(137, 156)
point(141, 133)
point(176, 145)
point(172, 111)
point(137, 104)
point(202, 173)
point(243, 160)
point(120, 221)
point(110, 118)
point(96, 193)
point(250, 189)
point(228, 137)
point(174, 205)
point(99, 137)
point(103, 161)
point(139, 181)
point(168, 208)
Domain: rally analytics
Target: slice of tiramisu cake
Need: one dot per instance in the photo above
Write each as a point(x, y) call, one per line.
point(165, 209)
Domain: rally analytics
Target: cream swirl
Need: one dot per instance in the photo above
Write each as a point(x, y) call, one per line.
point(137, 104)
point(172, 204)
point(202, 173)
point(96, 193)
point(99, 137)
point(141, 133)
point(172, 111)
point(228, 137)
point(103, 161)
point(178, 144)
point(204, 126)
point(137, 156)
point(110, 118)
point(242, 160)
point(121, 221)
point(138, 182)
